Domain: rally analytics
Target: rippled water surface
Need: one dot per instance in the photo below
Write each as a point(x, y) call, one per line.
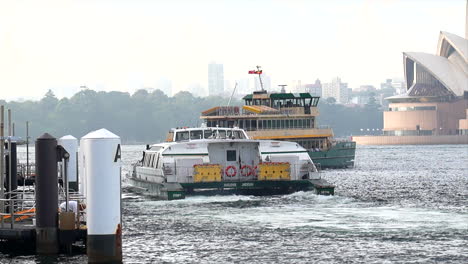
point(399, 204)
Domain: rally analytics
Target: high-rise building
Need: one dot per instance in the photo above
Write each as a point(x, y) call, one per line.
point(337, 90)
point(399, 85)
point(215, 79)
point(314, 89)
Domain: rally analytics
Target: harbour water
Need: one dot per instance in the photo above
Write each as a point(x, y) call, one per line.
point(399, 204)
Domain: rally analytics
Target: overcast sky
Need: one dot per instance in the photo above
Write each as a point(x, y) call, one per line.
point(125, 45)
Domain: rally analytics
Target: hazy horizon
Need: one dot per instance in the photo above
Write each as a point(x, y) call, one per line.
point(128, 45)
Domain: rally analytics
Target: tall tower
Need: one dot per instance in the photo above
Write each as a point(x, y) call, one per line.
point(215, 79)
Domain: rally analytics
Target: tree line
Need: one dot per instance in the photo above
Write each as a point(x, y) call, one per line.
point(146, 117)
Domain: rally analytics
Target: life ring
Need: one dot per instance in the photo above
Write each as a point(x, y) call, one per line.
point(245, 173)
point(230, 171)
point(254, 171)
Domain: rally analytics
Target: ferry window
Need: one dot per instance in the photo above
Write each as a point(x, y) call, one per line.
point(260, 124)
point(295, 123)
point(145, 160)
point(308, 123)
point(282, 123)
point(254, 124)
point(264, 124)
point(208, 133)
point(231, 155)
point(299, 123)
point(238, 134)
point(157, 161)
point(222, 133)
point(269, 124)
point(229, 134)
point(247, 124)
point(183, 135)
point(196, 134)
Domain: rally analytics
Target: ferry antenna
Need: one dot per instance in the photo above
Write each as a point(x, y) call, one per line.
point(259, 70)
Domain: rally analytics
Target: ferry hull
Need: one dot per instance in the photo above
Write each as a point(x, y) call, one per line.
point(259, 187)
point(339, 156)
point(164, 191)
point(174, 191)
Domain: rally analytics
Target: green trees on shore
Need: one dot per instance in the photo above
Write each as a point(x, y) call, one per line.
point(146, 117)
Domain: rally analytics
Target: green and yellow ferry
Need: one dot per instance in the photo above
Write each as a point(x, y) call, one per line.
point(288, 117)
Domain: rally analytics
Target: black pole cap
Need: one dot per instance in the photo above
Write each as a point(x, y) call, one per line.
point(46, 136)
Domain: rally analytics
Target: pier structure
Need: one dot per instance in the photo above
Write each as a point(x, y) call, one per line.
point(45, 227)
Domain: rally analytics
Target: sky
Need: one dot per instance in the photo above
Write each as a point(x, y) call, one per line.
point(126, 45)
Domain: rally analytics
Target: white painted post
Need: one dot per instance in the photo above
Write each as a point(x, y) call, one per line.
point(101, 152)
point(70, 144)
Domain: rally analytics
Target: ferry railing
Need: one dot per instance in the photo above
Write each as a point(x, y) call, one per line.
point(19, 205)
point(73, 196)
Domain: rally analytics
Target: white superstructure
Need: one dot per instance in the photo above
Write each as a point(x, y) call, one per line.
point(173, 162)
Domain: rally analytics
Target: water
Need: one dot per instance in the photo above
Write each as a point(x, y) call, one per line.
point(404, 204)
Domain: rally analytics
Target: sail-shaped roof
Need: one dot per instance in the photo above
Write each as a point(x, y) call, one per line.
point(442, 69)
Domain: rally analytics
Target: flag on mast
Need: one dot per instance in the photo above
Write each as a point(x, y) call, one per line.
point(256, 72)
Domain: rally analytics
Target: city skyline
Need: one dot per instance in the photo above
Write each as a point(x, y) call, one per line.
point(128, 45)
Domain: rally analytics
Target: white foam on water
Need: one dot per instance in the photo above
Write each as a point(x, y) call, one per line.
point(335, 213)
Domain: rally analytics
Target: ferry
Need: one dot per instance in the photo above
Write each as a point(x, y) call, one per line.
point(288, 117)
point(208, 161)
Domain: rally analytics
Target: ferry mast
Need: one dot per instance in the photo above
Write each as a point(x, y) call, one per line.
point(259, 72)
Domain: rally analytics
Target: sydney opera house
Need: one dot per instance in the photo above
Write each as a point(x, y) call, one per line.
point(434, 109)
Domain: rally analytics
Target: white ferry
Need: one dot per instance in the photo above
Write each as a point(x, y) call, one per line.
point(223, 160)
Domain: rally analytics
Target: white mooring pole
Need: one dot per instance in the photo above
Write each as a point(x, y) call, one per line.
point(101, 163)
point(70, 144)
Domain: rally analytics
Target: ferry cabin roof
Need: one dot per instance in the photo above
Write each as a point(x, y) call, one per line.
point(279, 100)
point(186, 134)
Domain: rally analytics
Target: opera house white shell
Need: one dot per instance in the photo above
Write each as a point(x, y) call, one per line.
point(436, 99)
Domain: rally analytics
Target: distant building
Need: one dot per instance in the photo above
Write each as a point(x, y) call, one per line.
point(337, 90)
point(314, 89)
point(399, 85)
point(215, 79)
point(387, 84)
point(396, 84)
point(295, 86)
point(365, 88)
point(360, 99)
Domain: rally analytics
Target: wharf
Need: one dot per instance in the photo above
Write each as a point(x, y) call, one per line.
point(20, 232)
